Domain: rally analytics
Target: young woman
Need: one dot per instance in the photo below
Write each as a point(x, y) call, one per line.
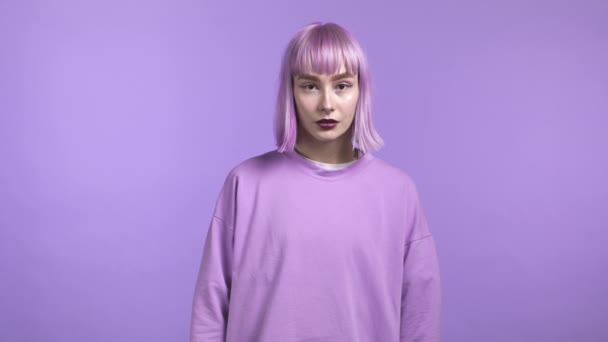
point(319, 240)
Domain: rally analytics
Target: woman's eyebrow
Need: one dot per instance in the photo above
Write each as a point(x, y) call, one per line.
point(333, 78)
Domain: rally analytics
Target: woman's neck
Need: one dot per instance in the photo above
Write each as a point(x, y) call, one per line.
point(328, 153)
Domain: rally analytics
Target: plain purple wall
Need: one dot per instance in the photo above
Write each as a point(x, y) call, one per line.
point(120, 120)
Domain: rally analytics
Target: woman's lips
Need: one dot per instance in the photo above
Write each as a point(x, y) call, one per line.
point(327, 125)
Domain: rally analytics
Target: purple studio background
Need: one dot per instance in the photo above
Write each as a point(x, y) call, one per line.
point(120, 119)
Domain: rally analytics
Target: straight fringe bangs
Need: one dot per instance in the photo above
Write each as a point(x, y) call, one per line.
point(322, 49)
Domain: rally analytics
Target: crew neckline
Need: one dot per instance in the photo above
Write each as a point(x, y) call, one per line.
point(333, 167)
point(304, 165)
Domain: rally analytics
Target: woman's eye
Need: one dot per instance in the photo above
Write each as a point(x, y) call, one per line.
point(341, 86)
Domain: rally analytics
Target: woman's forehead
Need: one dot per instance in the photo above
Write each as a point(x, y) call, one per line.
point(342, 73)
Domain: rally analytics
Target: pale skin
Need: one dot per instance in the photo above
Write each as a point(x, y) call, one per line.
point(322, 96)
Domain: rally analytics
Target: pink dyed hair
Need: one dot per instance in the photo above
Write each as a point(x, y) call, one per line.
point(322, 49)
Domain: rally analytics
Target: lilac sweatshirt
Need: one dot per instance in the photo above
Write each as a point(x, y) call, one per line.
point(298, 253)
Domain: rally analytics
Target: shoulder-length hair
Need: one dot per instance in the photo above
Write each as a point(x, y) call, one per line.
point(323, 49)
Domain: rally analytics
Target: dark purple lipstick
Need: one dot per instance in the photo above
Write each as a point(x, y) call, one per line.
point(327, 123)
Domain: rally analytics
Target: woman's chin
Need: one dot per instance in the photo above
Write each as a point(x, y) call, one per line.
point(327, 136)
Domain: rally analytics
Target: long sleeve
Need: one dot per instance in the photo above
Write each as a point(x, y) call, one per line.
point(212, 290)
point(421, 291)
point(213, 284)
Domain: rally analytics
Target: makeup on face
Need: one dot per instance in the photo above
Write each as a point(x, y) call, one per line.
point(327, 123)
point(325, 103)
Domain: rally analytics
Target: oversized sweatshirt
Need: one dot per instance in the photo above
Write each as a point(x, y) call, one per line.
point(295, 252)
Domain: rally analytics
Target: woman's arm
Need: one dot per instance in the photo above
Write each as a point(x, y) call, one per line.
point(212, 291)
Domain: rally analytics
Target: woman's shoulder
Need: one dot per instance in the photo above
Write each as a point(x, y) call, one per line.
point(393, 172)
point(256, 165)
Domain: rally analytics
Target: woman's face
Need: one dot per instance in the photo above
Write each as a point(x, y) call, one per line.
point(322, 96)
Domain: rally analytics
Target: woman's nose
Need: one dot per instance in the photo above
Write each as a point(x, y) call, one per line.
point(326, 102)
